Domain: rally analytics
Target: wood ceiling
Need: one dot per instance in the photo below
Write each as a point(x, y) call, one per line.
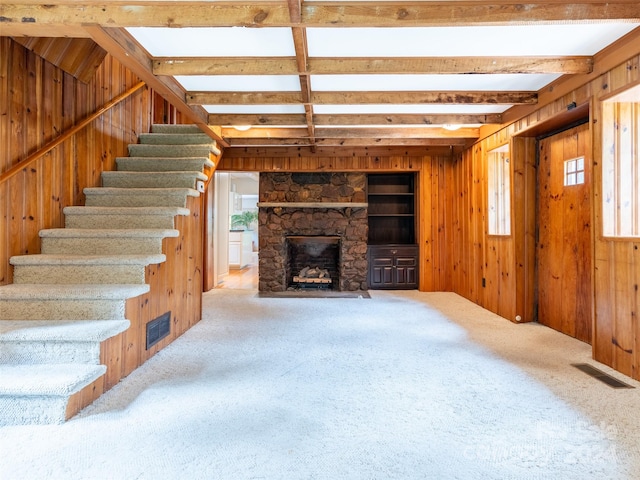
point(106, 23)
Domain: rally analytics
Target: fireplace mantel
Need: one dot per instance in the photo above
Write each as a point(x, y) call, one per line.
point(313, 204)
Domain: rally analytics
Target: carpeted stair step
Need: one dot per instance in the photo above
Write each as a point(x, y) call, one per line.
point(163, 164)
point(92, 269)
point(152, 179)
point(66, 302)
point(146, 150)
point(138, 197)
point(175, 128)
point(84, 241)
point(39, 394)
point(122, 217)
point(175, 138)
point(55, 341)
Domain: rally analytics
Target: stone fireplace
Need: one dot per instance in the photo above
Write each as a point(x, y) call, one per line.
point(316, 220)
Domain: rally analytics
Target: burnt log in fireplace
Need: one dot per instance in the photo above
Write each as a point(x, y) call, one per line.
point(313, 261)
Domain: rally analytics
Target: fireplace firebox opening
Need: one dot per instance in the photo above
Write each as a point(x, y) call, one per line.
point(313, 262)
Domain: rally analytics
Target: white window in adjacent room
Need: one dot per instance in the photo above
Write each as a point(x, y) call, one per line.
point(620, 164)
point(574, 172)
point(499, 191)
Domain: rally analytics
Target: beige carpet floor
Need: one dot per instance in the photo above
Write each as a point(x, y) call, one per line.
point(404, 385)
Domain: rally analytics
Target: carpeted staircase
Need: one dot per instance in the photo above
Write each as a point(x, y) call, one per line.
point(67, 300)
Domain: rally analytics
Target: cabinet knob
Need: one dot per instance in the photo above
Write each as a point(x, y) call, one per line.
point(393, 252)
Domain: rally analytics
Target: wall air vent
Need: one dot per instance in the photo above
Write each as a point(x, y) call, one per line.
point(158, 329)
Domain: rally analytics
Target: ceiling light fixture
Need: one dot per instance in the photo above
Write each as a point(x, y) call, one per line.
point(451, 127)
point(242, 128)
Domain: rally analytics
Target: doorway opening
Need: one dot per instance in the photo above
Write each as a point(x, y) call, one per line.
point(235, 230)
point(564, 243)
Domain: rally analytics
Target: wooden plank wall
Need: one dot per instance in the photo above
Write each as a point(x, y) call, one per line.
point(176, 287)
point(496, 272)
point(508, 265)
point(38, 101)
point(616, 333)
point(456, 252)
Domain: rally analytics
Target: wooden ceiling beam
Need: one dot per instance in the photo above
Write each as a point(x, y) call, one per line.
point(371, 65)
point(372, 132)
point(353, 119)
point(364, 98)
point(427, 14)
point(257, 119)
point(273, 132)
point(397, 133)
point(345, 142)
point(42, 30)
point(313, 14)
point(244, 98)
point(425, 97)
point(243, 158)
point(366, 141)
point(225, 66)
point(406, 119)
point(300, 45)
point(449, 65)
point(146, 14)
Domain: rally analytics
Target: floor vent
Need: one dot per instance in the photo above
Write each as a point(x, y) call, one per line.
point(158, 329)
point(600, 375)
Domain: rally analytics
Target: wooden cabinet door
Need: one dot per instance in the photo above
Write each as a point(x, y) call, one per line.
point(406, 272)
point(381, 274)
point(564, 242)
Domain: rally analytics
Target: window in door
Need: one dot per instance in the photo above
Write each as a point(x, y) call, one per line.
point(574, 172)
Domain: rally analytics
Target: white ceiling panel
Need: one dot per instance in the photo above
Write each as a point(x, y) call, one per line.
point(240, 83)
point(275, 109)
point(409, 109)
point(575, 39)
point(215, 42)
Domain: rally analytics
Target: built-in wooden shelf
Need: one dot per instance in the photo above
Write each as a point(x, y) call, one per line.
point(392, 253)
point(313, 204)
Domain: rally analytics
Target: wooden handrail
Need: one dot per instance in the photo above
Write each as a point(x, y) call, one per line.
point(69, 133)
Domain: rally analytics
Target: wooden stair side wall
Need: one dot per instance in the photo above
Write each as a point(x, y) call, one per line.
point(176, 286)
point(43, 101)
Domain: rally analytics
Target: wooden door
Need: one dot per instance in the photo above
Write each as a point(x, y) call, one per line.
point(564, 233)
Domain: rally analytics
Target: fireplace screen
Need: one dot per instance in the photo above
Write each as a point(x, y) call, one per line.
point(313, 261)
